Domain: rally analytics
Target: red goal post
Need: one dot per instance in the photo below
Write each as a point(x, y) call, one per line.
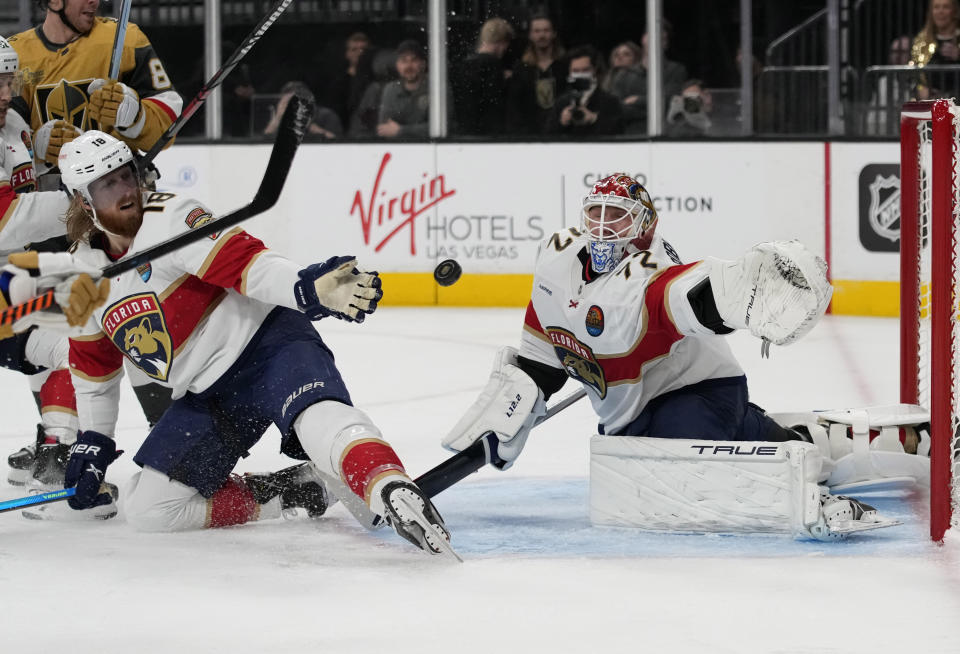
point(929, 213)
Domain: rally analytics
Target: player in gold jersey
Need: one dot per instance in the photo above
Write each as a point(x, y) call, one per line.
point(65, 63)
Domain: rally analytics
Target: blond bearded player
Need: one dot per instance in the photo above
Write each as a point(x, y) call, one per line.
point(225, 323)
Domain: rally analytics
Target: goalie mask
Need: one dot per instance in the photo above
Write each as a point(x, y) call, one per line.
point(89, 157)
point(618, 216)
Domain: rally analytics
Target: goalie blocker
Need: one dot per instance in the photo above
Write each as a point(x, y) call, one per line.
point(700, 486)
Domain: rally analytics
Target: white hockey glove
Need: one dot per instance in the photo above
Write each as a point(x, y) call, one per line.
point(337, 288)
point(114, 104)
point(777, 290)
point(29, 274)
point(48, 139)
point(508, 406)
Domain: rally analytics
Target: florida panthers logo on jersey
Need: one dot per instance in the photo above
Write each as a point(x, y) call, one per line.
point(137, 327)
point(577, 359)
point(198, 217)
point(23, 179)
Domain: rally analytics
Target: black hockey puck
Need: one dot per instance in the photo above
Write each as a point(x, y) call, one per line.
point(447, 272)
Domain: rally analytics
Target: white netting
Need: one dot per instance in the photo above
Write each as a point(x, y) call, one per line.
point(924, 128)
point(925, 265)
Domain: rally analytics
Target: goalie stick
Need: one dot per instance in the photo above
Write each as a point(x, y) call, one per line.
point(293, 125)
point(463, 464)
point(433, 482)
point(225, 69)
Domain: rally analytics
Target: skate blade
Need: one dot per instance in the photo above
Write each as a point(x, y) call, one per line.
point(354, 504)
point(61, 512)
point(17, 477)
point(853, 526)
point(436, 539)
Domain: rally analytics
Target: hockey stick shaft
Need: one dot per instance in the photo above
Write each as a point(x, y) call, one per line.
point(119, 39)
point(225, 69)
point(39, 498)
point(463, 464)
point(293, 125)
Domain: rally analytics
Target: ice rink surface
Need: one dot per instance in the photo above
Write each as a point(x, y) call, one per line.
point(537, 576)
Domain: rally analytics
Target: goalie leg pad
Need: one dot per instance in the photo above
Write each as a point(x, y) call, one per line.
point(699, 486)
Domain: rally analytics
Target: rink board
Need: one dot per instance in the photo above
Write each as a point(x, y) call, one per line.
point(402, 208)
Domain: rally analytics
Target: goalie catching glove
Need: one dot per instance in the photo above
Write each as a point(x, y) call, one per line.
point(48, 139)
point(115, 105)
point(29, 274)
point(778, 291)
point(508, 407)
point(337, 288)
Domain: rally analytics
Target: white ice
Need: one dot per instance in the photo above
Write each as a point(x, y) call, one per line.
point(537, 576)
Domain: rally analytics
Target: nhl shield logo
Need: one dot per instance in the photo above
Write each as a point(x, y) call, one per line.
point(884, 210)
point(879, 191)
point(137, 326)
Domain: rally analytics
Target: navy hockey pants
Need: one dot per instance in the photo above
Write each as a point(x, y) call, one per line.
point(715, 409)
point(285, 368)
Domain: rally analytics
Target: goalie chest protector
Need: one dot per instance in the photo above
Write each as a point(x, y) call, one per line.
point(619, 334)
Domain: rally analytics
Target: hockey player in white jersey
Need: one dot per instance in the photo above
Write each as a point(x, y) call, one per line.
point(613, 307)
point(225, 323)
point(28, 216)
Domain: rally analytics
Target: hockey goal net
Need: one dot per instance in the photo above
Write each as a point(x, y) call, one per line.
point(929, 278)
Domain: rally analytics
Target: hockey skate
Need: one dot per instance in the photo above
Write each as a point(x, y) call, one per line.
point(299, 487)
point(415, 518)
point(841, 516)
point(21, 461)
point(61, 511)
point(49, 467)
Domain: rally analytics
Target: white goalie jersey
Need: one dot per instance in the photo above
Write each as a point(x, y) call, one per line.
point(628, 335)
point(26, 215)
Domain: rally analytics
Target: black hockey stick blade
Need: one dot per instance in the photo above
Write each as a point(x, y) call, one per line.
point(293, 125)
point(478, 454)
point(225, 69)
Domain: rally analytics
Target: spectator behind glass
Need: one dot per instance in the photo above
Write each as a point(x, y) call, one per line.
point(346, 88)
point(689, 113)
point(480, 88)
point(405, 103)
point(237, 92)
point(537, 79)
point(325, 123)
point(628, 83)
point(883, 113)
point(674, 75)
point(584, 110)
point(938, 43)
